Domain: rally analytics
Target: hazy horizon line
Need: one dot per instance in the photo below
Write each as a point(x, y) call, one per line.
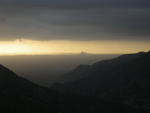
point(53, 54)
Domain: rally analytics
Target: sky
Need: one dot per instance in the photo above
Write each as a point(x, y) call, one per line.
point(73, 26)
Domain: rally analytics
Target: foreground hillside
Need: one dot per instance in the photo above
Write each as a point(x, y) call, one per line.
point(125, 80)
point(18, 95)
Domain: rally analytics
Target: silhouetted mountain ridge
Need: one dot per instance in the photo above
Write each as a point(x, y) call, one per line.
point(125, 79)
point(19, 95)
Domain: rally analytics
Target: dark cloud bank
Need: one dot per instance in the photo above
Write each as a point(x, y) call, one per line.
point(75, 19)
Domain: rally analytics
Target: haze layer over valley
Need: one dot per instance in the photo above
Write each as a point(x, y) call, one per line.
point(47, 69)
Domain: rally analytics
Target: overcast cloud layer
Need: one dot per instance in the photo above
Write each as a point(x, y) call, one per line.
point(75, 19)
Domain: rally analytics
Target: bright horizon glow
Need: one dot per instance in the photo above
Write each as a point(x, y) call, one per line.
point(33, 47)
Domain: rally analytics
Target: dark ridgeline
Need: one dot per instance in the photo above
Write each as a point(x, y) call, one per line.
point(18, 95)
point(119, 85)
point(125, 80)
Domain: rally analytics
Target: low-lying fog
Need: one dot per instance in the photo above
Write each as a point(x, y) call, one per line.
point(46, 69)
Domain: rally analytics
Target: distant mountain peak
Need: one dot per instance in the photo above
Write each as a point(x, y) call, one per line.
point(83, 53)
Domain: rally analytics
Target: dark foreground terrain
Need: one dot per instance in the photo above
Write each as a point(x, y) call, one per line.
point(120, 85)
